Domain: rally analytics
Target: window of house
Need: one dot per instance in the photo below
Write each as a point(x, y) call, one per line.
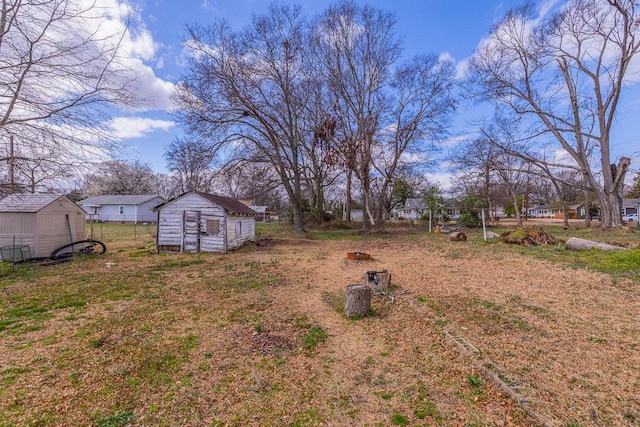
point(238, 228)
point(121, 210)
point(213, 226)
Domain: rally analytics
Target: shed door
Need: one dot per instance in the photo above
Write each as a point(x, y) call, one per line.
point(191, 231)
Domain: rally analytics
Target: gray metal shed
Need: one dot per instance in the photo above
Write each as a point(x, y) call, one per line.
point(201, 222)
point(43, 222)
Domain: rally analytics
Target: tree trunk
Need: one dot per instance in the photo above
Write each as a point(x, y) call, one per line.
point(347, 203)
point(565, 217)
point(575, 244)
point(610, 194)
point(297, 217)
point(357, 301)
point(587, 210)
point(366, 218)
point(514, 196)
point(378, 280)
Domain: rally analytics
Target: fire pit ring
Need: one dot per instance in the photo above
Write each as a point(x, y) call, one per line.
point(359, 256)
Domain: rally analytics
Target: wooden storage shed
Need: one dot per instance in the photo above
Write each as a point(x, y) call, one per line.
point(201, 222)
point(43, 222)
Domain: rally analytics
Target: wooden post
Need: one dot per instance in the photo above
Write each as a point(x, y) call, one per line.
point(357, 300)
point(378, 280)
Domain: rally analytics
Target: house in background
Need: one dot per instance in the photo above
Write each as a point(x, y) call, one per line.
point(201, 222)
point(543, 211)
point(411, 210)
point(630, 206)
point(262, 213)
point(130, 208)
point(39, 222)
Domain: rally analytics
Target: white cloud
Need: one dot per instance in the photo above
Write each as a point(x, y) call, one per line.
point(442, 179)
point(136, 127)
point(136, 48)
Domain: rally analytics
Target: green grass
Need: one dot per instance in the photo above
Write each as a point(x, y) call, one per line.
point(117, 419)
point(314, 337)
point(624, 263)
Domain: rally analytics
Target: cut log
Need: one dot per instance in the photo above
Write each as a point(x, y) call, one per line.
point(576, 244)
point(457, 236)
point(357, 301)
point(378, 280)
point(492, 235)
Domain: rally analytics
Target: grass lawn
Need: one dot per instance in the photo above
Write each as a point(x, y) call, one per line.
point(257, 337)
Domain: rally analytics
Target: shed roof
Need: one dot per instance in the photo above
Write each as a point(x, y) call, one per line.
point(27, 203)
point(118, 199)
point(227, 203)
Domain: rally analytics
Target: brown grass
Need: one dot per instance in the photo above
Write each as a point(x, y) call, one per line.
point(229, 339)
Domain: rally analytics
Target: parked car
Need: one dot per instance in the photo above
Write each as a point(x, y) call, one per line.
point(630, 218)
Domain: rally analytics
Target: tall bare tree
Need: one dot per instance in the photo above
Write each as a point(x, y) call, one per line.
point(565, 73)
point(59, 73)
point(358, 46)
point(246, 88)
point(419, 108)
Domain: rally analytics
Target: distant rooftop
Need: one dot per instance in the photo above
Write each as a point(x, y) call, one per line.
point(118, 199)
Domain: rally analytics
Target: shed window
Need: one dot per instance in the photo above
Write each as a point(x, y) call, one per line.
point(213, 226)
point(238, 228)
point(121, 210)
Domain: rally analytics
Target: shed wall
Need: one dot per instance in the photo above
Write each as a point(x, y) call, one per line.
point(52, 227)
point(170, 223)
point(22, 226)
point(240, 230)
point(45, 230)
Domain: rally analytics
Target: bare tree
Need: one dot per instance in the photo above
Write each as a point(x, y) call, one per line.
point(565, 73)
point(59, 74)
point(255, 182)
point(190, 161)
point(488, 162)
point(121, 177)
point(357, 46)
point(420, 106)
point(246, 88)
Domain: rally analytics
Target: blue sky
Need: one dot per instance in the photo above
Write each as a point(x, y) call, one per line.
point(426, 26)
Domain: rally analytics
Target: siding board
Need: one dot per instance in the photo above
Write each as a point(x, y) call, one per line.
point(171, 224)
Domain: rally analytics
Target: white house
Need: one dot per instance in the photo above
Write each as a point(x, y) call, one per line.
point(201, 222)
point(130, 208)
point(413, 209)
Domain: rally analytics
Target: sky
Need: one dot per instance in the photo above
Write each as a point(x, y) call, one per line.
point(426, 27)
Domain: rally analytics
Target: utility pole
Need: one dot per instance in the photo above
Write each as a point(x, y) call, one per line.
point(12, 179)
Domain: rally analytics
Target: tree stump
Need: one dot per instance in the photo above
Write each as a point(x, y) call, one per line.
point(357, 301)
point(457, 236)
point(378, 280)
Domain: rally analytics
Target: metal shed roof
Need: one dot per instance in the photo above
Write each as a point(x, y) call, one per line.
point(27, 203)
point(118, 199)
